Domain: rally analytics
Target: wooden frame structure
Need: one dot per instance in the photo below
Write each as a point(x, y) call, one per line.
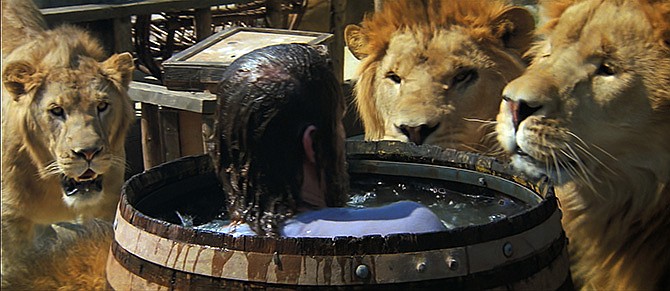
point(173, 123)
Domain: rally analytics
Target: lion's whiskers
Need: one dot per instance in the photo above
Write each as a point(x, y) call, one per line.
point(575, 158)
point(580, 170)
point(577, 138)
point(486, 122)
point(489, 139)
point(577, 169)
point(605, 152)
point(554, 159)
point(470, 147)
point(119, 161)
point(585, 150)
point(51, 169)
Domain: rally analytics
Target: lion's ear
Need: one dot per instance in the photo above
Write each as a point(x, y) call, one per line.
point(515, 27)
point(119, 67)
point(19, 78)
point(355, 40)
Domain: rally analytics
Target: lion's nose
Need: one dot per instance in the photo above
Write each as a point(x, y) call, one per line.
point(87, 153)
point(520, 110)
point(417, 134)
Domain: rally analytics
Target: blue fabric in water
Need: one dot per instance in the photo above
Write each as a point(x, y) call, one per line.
point(398, 217)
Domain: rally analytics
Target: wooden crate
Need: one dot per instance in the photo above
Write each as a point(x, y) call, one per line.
point(201, 66)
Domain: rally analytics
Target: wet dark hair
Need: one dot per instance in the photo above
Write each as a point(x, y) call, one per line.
point(267, 99)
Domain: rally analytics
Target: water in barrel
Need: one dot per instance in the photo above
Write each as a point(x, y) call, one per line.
point(455, 207)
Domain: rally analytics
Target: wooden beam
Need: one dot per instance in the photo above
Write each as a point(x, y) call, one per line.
point(92, 12)
point(199, 102)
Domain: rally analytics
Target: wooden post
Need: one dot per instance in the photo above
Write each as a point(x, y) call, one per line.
point(169, 125)
point(190, 133)
point(123, 41)
point(337, 11)
point(203, 23)
point(275, 15)
point(151, 143)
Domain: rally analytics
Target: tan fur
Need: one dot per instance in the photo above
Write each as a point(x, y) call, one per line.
point(21, 25)
point(599, 93)
point(41, 70)
point(71, 257)
point(452, 59)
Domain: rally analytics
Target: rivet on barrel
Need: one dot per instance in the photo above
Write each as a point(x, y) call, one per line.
point(452, 264)
point(508, 250)
point(362, 271)
point(481, 181)
point(421, 267)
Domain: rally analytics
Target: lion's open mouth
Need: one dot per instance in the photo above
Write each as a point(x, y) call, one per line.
point(89, 182)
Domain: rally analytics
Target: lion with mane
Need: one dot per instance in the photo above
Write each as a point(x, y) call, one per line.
point(593, 112)
point(432, 71)
point(65, 114)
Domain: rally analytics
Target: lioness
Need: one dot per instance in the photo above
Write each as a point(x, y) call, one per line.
point(593, 111)
point(65, 114)
point(432, 71)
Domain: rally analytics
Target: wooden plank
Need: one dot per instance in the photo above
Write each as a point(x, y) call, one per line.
point(190, 133)
point(151, 143)
point(169, 125)
point(91, 12)
point(199, 102)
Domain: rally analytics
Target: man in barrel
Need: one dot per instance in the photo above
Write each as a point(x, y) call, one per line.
point(281, 151)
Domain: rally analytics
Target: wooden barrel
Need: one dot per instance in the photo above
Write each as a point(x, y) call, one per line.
point(522, 251)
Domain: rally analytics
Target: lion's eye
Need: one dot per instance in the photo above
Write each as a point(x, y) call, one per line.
point(465, 76)
point(102, 106)
point(57, 111)
point(394, 77)
point(606, 69)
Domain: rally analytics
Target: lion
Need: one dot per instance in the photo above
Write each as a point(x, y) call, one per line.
point(65, 115)
point(432, 72)
point(593, 112)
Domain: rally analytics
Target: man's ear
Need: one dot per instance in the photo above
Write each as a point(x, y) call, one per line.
point(308, 143)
